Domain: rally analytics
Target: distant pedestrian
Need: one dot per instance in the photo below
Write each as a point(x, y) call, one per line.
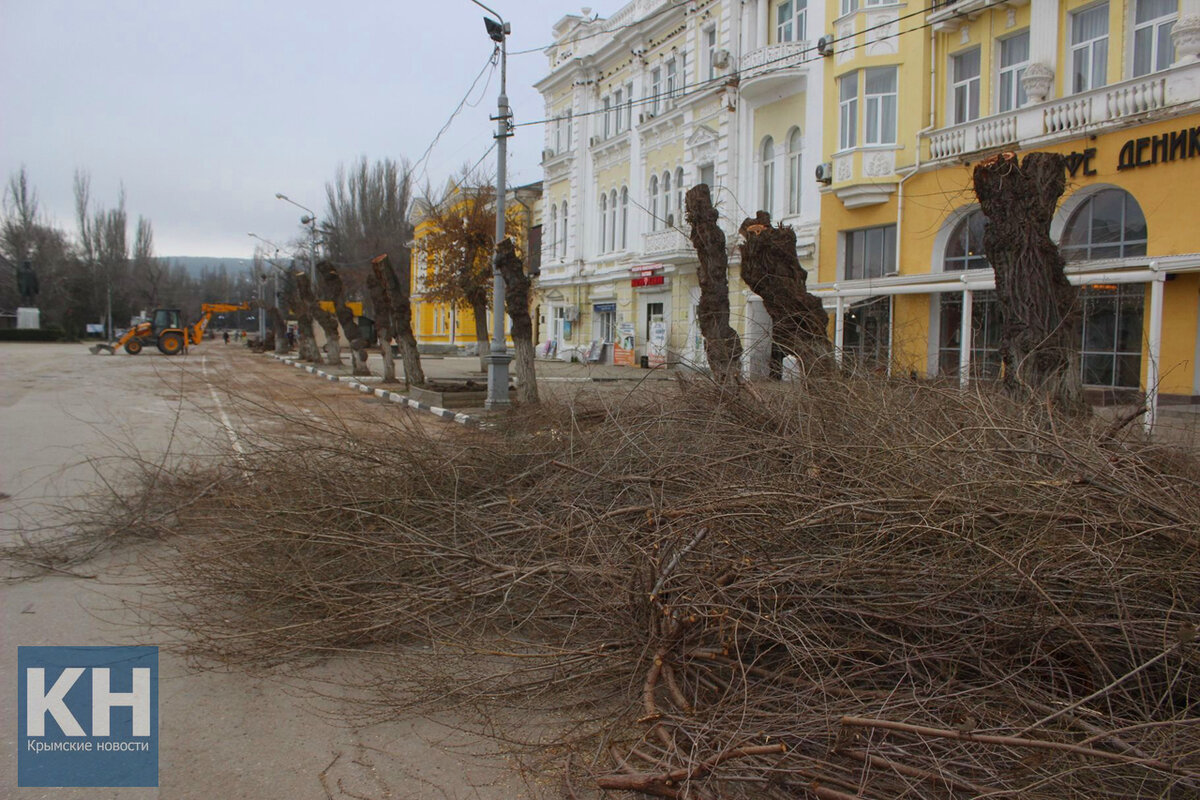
point(291, 337)
point(226, 337)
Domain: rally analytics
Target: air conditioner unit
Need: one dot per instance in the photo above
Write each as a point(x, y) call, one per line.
point(571, 313)
point(825, 173)
point(825, 46)
point(595, 140)
point(720, 58)
point(645, 116)
point(547, 154)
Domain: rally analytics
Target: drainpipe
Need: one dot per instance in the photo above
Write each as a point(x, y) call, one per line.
point(965, 335)
point(1157, 285)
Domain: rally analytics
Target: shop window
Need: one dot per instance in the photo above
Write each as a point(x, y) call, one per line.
point(1108, 224)
point(964, 250)
point(654, 313)
point(866, 331)
point(1112, 334)
point(985, 334)
point(1152, 47)
point(869, 252)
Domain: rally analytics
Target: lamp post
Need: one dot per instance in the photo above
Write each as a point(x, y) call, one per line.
point(262, 287)
point(310, 220)
point(497, 359)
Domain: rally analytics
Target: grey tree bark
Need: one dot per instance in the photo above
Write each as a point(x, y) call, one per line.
point(332, 283)
point(393, 293)
point(301, 298)
point(279, 326)
point(721, 343)
point(516, 302)
point(328, 323)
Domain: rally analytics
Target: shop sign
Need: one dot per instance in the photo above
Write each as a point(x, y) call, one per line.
point(1145, 151)
point(601, 308)
point(648, 280)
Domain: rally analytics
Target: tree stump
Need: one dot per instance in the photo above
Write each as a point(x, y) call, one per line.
point(722, 346)
point(332, 283)
point(516, 302)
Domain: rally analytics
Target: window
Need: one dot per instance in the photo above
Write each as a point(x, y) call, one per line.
point(870, 252)
point(672, 78)
point(708, 176)
point(605, 323)
point(654, 313)
point(964, 87)
point(629, 105)
point(656, 87)
point(880, 106)
point(1152, 24)
point(848, 111)
point(767, 183)
point(710, 51)
point(570, 127)
point(1014, 58)
point(558, 131)
point(682, 74)
point(612, 221)
point(608, 120)
point(1109, 224)
point(619, 111)
point(565, 229)
point(654, 203)
point(965, 248)
point(624, 217)
point(849, 7)
point(1089, 48)
point(603, 220)
point(553, 230)
point(866, 330)
point(665, 184)
point(795, 171)
point(985, 335)
point(790, 20)
point(680, 191)
point(1112, 334)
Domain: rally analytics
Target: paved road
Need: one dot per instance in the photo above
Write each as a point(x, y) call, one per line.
point(223, 734)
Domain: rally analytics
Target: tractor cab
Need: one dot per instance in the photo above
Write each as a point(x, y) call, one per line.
point(165, 319)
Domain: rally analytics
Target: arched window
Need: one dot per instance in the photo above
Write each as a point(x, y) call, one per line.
point(553, 230)
point(679, 192)
point(795, 167)
point(654, 202)
point(767, 154)
point(612, 220)
point(964, 250)
point(1108, 224)
point(565, 229)
point(603, 220)
point(668, 219)
point(624, 217)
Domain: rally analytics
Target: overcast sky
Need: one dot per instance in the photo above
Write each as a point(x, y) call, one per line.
point(204, 110)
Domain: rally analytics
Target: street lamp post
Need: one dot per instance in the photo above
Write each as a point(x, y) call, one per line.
point(497, 359)
point(262, 322)
point(311, 221)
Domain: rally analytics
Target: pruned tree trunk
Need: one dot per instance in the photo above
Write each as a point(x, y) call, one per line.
point(483, 340)
point(394, 292)
point(308, 310)
point(383, 319)
point(772, 270)
point(722, 346)
point(279, 326)
point(331, 281)
point(1039, 308)
point(516, 301)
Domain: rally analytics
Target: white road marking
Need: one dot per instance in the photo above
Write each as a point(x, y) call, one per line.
point(239, 449)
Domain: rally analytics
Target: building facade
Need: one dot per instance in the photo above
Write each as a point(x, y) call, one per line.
point(915, 96)
point(657, 98)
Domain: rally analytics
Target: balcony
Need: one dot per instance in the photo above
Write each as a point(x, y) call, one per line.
point(768, 69)
point(1067, 117)
point(667, 245)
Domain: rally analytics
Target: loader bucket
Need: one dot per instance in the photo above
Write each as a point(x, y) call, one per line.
point(97, 349)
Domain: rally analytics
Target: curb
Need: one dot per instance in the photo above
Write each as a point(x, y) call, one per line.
point(384, 394)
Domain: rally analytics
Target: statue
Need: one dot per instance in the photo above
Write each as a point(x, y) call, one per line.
point(27, 284)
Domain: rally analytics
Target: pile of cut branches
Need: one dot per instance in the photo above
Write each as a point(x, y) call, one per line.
point(851, 588)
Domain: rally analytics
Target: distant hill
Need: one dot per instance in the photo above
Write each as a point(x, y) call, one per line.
point(197, 264)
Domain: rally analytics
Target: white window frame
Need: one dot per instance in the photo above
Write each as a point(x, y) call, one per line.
point(570, 127)
point(1015, 97)
point(664, 186)
point(672, 78)
point(848, 111)
point(603, 220)
point(656, 87)
point(624, 218)
point(849, 7)
point(878, 234)
point(629, 105)
point(766, 183)
point(879, 105)
point(710, 51)
point(653, 193)
point(612, 221)
point(553, 230)
point(1090, 47)
point(964, 89)
point(791, 21)
point(795, 169)
point(1166, 20)
point(679, 193)
point(618, 101)
point(565, 229)
point(606, 104)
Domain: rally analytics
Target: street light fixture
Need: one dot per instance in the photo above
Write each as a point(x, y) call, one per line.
point(497, 359)
point(309, 219)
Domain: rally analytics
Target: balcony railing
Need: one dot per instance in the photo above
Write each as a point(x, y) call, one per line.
point(775, 57)
point(662, 243)
point(1068, 115)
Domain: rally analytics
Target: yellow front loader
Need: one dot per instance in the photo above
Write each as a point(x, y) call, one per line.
point(166, 331)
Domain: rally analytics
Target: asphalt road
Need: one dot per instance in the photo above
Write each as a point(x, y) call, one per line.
point(70, 422)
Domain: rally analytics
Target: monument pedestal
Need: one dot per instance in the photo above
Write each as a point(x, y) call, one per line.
point(29, 318)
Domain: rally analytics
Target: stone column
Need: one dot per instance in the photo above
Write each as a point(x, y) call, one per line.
point(1043, 51)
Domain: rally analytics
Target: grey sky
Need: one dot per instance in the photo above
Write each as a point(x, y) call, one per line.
point(204, 110)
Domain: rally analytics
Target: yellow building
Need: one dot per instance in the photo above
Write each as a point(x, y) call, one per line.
point(913, 100)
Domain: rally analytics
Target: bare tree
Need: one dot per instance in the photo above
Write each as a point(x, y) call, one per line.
point(516, 301)
point(308, 309)
point(1040, 315)
point(331, 282)
point(722, 346)
point(772, 270)
point(393, 314)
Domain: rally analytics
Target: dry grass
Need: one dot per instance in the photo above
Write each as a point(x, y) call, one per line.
point(845, 588)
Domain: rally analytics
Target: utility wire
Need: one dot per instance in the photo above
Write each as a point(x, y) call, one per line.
point(491, 62)
point(671, 6)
